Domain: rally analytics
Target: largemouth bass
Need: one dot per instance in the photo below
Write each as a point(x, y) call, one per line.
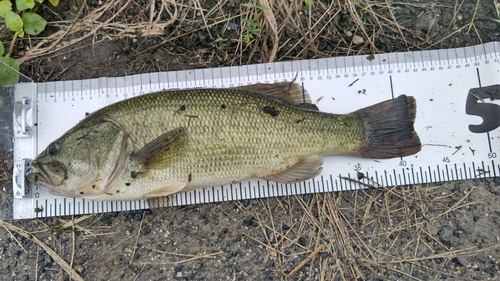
point(175, 141)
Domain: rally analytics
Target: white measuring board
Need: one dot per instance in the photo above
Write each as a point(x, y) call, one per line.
point(440, 80)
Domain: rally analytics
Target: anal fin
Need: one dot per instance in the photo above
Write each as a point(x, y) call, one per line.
point(167, 190)
point(306, 168)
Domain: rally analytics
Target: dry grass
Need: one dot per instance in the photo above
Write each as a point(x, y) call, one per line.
point(291, 29)
point(363, 233)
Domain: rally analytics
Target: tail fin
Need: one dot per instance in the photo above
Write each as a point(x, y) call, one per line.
point(389, 128)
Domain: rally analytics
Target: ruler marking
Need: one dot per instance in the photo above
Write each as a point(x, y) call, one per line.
point(392, 89)
point(267, 187)
point(184, 198)
point(430, 175)
point(396, 177)
point(414, 176)
point(192, 198)
point(345, 65)
point(340, 180)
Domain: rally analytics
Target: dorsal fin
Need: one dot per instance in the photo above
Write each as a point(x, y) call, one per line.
point(290, 92)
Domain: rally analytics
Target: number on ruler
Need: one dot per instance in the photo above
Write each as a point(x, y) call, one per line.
point(446, 159)
point(492, 155)
point(488, 111)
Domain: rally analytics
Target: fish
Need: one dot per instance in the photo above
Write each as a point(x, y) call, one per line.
point(174, 141)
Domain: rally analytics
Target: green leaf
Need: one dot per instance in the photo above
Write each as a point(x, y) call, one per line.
point(251, 5)
point(219, 39)
point(22, 5)
point(248, 5)
point(2, 49)
point(13, 21)
point(34, 24)
point(54, 2)
point(308, 3)
point(5, 6)
point(9, 71)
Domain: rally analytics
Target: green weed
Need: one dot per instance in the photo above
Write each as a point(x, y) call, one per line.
point(20, 21)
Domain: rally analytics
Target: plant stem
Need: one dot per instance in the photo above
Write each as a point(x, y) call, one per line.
point(11, 47)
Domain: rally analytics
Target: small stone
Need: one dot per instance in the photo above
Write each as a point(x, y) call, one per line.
point(445, 234)
point(303, 241)
point(481, 257)
point(462, 261)
point(348, 215)
point(356, 39)
point(250, 221)
point(5, 271)
point(459, 187)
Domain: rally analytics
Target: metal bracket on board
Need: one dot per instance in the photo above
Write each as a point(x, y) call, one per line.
point(489, 112)
point(22, 188)
point(22, 117)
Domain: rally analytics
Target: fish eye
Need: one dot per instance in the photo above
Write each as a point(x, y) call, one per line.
point(54, 148)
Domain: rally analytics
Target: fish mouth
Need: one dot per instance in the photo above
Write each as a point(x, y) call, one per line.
point(40, 176)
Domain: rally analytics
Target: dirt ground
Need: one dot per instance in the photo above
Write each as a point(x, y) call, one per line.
point(449, 231)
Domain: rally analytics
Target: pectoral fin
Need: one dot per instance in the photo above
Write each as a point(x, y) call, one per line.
point(306, 168)
point(162, 151)
point(290, 92)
